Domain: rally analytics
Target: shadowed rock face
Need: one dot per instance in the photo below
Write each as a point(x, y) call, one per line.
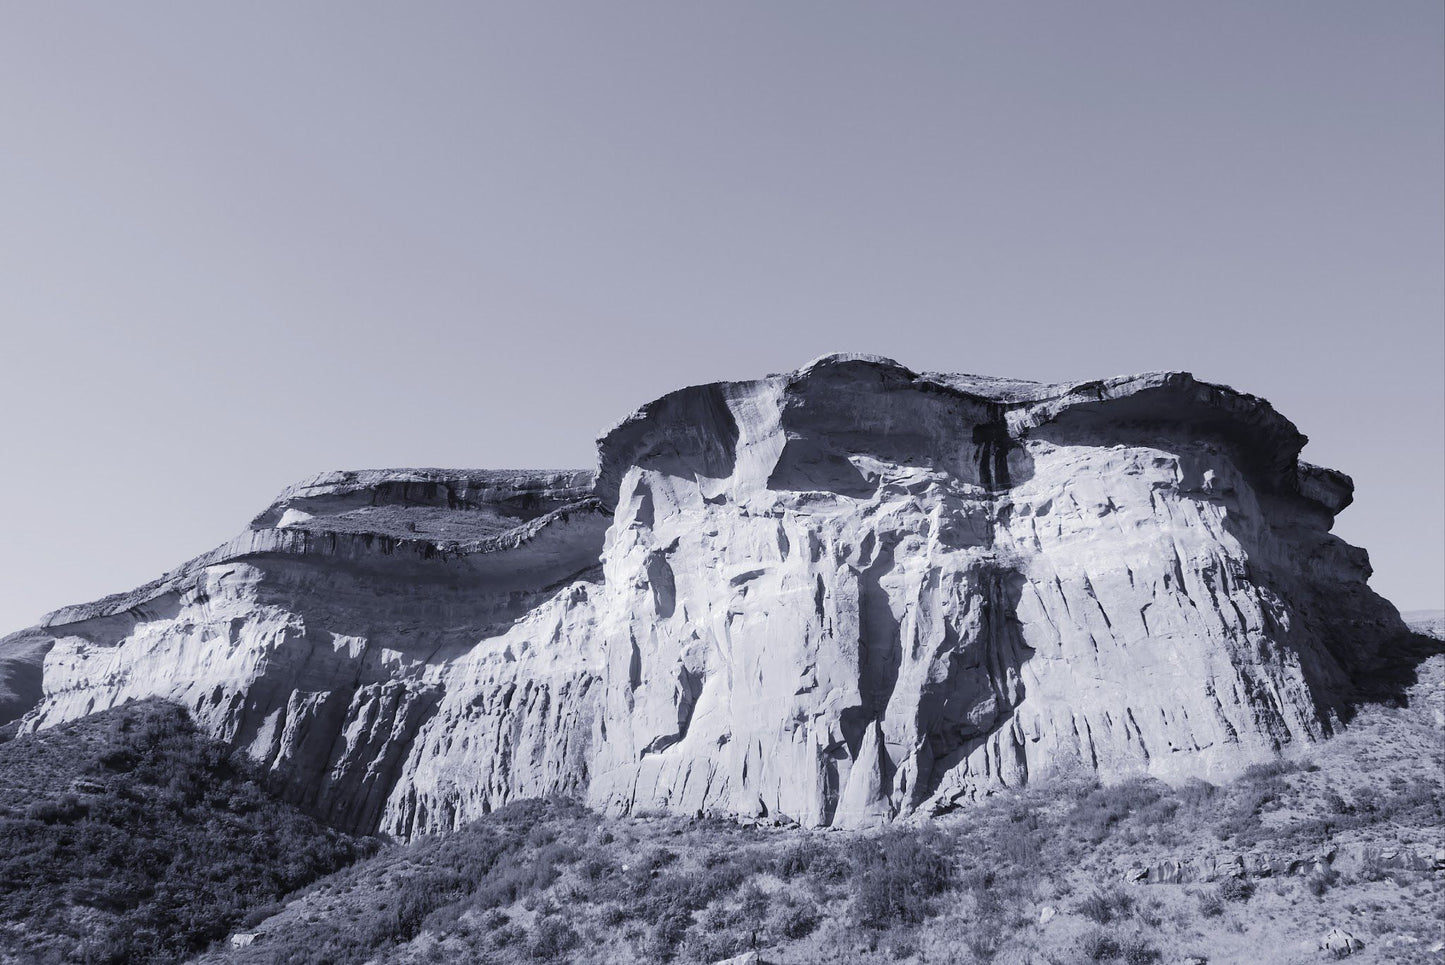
point(843, 594)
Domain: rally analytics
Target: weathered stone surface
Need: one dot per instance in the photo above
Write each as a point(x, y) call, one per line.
point(313, 640)
point(853, 591)
point(835, 596)
point(1340, 943)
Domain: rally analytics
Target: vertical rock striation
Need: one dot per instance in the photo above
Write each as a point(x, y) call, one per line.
point(840, 595)
point(317, 639)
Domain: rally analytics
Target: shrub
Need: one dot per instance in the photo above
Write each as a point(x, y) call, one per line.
point(154, 852)
point(903, 947)
point(706, 944)
point(1137, 951)
point(595, 867)
point(65, 809)
point(1195, 793)
point(754, 900)
point(1106, 906)
point(811, 857)
point(896, 877)
point(507, 936)
point(667, 933)
point(985, 940)
point(1210, 904)
point(553, 938)
point(1235, 889)
point(1099, 946)
point(1321, 881)
point(798, 922)
point(1143, 800)
point(1268, 771)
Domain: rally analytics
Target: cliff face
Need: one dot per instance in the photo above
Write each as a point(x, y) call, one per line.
point(316, 638)
point(844, 594)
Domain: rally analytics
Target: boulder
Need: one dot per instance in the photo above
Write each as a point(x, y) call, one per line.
point(1340, 943)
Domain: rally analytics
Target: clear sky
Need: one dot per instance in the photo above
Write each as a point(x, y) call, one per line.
point(242, 243)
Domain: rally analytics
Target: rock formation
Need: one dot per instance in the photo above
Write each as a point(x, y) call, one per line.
point(838, 596)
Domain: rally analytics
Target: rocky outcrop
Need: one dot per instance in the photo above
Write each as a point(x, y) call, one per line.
point(853, 592)
point(316, 638)
point(836, 596)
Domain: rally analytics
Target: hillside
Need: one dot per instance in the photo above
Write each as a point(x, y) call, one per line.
point(128, 836)
point(1346, 836)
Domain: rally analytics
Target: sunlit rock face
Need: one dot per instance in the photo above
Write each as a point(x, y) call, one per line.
point(853, 592)
point(841, 595)
point(315, 640)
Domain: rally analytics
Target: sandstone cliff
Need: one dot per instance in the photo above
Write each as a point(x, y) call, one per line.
point(839, 595)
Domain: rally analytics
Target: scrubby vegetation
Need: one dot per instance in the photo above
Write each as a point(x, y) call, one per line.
point(550, 881)
point(1038, 875)
point(127, 837)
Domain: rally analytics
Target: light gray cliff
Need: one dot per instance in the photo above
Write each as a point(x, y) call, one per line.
point(841, 595)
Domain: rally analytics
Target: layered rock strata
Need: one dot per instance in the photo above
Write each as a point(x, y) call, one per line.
point(314, 640)
point(840, 595)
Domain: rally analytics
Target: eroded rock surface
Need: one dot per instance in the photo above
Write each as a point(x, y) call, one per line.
point(316, 639)
point(838, 596)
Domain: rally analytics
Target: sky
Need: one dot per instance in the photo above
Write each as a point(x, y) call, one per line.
point(244, 243)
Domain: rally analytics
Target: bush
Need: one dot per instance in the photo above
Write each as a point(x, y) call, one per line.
point(1236, 889)
point(153, 853)
point(1321, 881)
point(798, 922)
point(1136, 951)
point(1195, 793)
point(1098, 946)
point(716, 944)
point(1140, 801)
point(1268, 771)
point(65, 809)
point(508, 935)
point(553, 939)
point(1106, 906)
point(1210, 904)
point(813, 858)
point(595, 867)
point(896, 878)
point(667, 934)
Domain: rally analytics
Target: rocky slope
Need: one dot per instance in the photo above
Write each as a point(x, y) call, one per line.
point(839, 596)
